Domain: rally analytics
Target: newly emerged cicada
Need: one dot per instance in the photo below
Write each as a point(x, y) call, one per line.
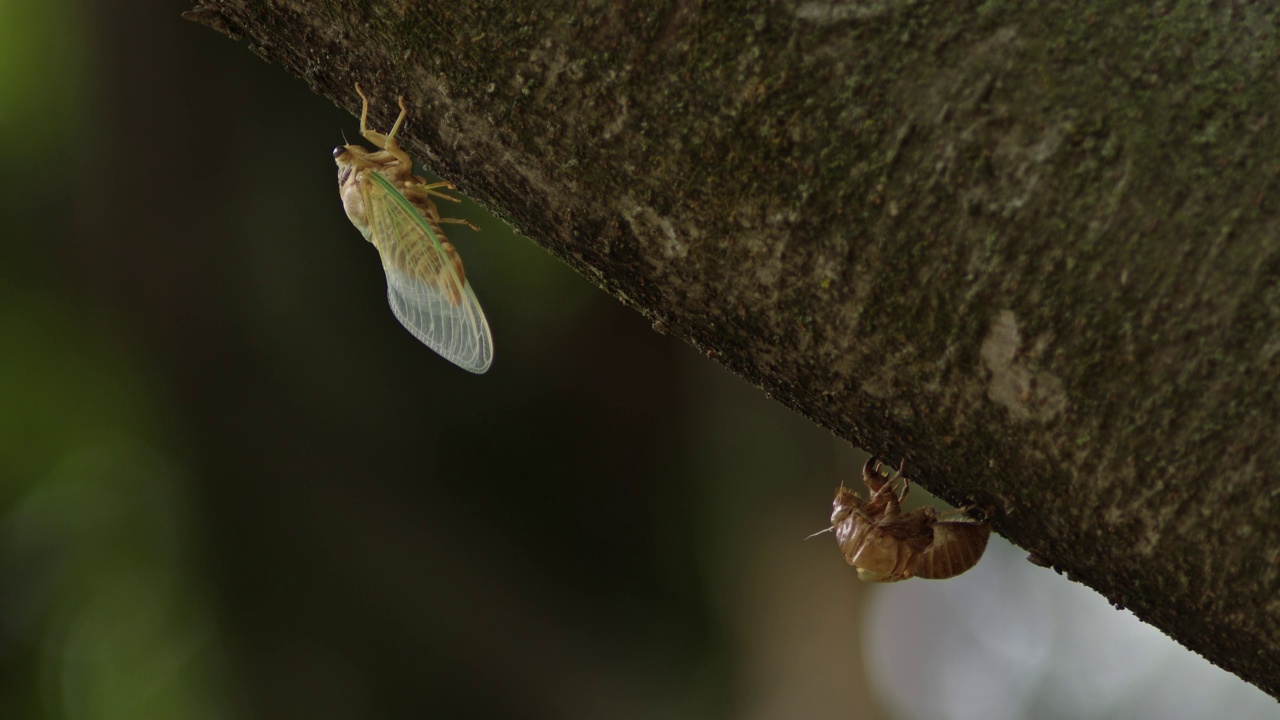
point(886, 545)
point(396, 211)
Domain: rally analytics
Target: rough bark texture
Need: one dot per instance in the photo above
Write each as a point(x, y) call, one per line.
point(1031, 248)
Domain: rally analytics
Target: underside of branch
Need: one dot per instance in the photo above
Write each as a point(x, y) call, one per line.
point(1032, 250)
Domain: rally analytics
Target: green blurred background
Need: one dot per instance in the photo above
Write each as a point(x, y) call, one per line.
point(232, 486)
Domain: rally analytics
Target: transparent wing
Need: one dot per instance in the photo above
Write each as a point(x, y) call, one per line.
point(427, 293)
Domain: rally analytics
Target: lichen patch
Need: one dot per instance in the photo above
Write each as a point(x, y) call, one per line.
point(1028, 395)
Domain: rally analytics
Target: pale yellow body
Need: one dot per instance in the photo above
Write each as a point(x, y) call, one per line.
point(396, 166)
point(395, 210)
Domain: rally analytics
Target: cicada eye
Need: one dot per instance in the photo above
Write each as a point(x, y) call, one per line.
point(339, 152)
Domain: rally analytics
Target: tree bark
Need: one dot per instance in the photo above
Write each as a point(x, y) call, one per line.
point(1031, 248)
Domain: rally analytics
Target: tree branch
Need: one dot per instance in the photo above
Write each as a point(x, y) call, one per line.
point(1032, 249)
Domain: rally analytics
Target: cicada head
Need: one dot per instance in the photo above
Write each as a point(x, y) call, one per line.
point(849, 519)
point(351, 159)
point(346, 159)
point(846, 502)
point(352, 166)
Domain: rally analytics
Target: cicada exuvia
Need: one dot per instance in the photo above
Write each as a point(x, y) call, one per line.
point(887, 545)
point(396, 211)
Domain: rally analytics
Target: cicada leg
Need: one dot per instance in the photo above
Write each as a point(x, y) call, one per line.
point(386, 143)
point(395, 127)
point(379, 140)
point(436, 217)
point(457, 221)
point(423, 191)
point(430, 188)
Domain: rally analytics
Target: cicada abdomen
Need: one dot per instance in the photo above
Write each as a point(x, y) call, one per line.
point(956, 546)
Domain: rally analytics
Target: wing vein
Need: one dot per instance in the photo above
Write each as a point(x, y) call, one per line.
point(426, 288)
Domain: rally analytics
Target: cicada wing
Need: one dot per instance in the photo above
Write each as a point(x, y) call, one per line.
point(458, 332)
point(424, 287)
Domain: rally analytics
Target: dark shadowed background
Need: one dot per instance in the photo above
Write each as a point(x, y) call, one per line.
point(232, 486)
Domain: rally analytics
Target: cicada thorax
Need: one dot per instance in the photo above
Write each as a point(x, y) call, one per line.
point(867, 541)
point(885, 550)
point(354, 165)
point(849, 520)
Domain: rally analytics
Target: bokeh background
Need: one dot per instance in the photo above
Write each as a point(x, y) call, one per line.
point(231, 486)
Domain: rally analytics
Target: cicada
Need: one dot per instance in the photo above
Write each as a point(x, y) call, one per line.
point(886, 545)
point(396, 211)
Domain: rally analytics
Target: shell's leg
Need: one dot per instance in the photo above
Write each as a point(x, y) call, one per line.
point(906, 484)
point(871, 475)
point(965, 512)
point(881, 487)
point(886, 486)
